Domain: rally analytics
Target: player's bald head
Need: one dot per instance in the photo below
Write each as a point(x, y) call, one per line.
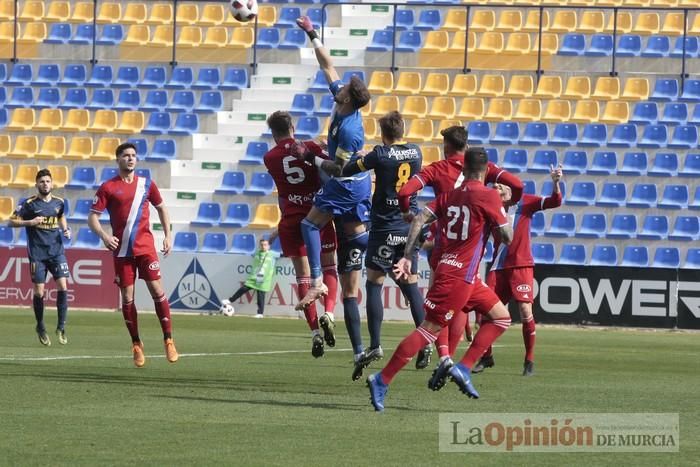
point(475, 162)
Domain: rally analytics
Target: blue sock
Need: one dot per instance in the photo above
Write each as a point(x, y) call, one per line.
point(415, 300)
point(62, 306)
point(375, 313)
point(351, 314)
point(39, 312)
point(312, 240)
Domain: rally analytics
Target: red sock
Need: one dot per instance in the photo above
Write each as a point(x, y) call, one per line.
point(488, 351)
point(163, 312)
point(442, 343)
point(406, 350)
point(467, 325)
point(303, 283)
point(489, 331)
point(529, 338)
point(456, 326)
point(131, 320)
point(330, 278)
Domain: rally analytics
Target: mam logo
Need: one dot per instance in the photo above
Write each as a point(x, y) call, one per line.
point(194, 291)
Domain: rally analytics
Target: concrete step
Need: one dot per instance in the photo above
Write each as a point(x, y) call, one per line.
point(341, 57)
point(271, 69)
point(262, 95)
point(255, 106)
point(185, 197)
point(367, 16)
point(198, 169)
point(281, 81)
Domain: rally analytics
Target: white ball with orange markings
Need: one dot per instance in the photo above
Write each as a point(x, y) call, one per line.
point(244, 10)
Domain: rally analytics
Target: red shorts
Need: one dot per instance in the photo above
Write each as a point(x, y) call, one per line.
point(514, 283)
point(446, 296)
point(125, 269)
point(292, 241)
point(483, 299)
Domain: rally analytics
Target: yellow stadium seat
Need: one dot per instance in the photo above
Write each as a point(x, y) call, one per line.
point(458, 44)
point(267, 216)
point(491, 42)
point(22, 120)
point(607, 89)
point(58, 12)
point(415, 107)
point(381, 82)
point(518, 43)
point(80, 148)
point(161, 13)
point(138, 34)
point(564, 21)
point(326, 126)
point(190, 36)
point(25, 147)
point(532, 21)
point(109, 13)
point(267, 15)
point(558, 111)
point(550, 44)
point(624, 23)
point(384, 105)
point(586, 111)
point(187, 13)
point(463, 85)
point(162, 37)
point(591, 22)
point(370, 126)
point(695, 26)
point(437, 137)
point(472, 108)
point(106, 148)
point(492, 86)
point(409, 83)
point(216, 38)
point(6, 206)
point(83, 12)
point(580, 3)
point(577, 87)
point(76, 120)
point(7, 10)
point(436, 84)
point(436, 41)
point(529, 110)
point(34, 33)
point(673, 25)
point(647, 23)
point(7, 33)
point(500, 109)
point(135, 13)
point(6, 174)
point(242, 38)
point(455, 20)
point(510, 21)
point(443, 107)
point(431, 154)
point(520, 86)
point(636, 89)
point(421, 131)
point(367, 109)
point(616, 112)
point(483, 21)
point(689, 3)
point(49, 120)
point(609, 3)
point(59, 174)
point(527, 2)
point(132, 122)
point(105, 122)
point(25, 177)
point(53, 147)
point(32, 10)
point(633, 3)
point(4, 145)
point(212, 15)
point(549, 87)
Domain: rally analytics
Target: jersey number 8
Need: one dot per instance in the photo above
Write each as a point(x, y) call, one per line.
point(403, 173)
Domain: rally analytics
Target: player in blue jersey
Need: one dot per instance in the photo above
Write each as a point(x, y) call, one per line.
point(43, 217)
point(394, 163)
point(346, 200)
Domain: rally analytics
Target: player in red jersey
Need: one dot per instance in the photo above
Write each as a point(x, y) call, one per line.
point(466, 216)
point(297, 182)
point(512, 272)
point(126, 198)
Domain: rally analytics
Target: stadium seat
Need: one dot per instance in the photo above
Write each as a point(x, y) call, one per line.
point(636, 89)
point(234, 79)
point(563, 224)
point(237, 215)
point(582, 194)
point(25, 176)
point(155, 101)
point(208, 215)
point(692, 258)
point(665, 165)
point(691, 91)
point(268, 38)
point(463, 85)
point(478, 132)
point(634, 163)
point(22, 120)
point(210, 102)
point(604, 163)
point(214, 242)
point(307, 128)
point(684, 137)
point(109, 13)
point(101, 99)
point(491, 153)
point(612, 195)
point(529, 187)
point(657, 47)
point(409, 41)
point(624, 136)
point(645, 113)
point(58, 11)
point(141, 146)
point(603, 255)
point(318, 17)
point(577, 87)
point(629, 45)
point(564, 134)
point(135, 13)
point(644, 195)
point(106, 174)
point(21, 75)
point(101, 77)
point(535, 133)
point(492, 86)
point(73, 75)
point(685, 228)
point(557, 111)
point(267, 216)
point(654, 136)
point(53, 147)
point(137, 35)
point(287, 17)
point(515, 160)
point(529, 110)
point(83, 178)
point(6, 236)
point(87, 239)
point(635, 256)
point(421, 130)
point(405, 19)
point(601, 45)
point(302, 104)
point(593, 225)
point(24, 148)
point(429, 20)
point(254, 153)
point(500, 109)
point(675, 113)
point(185, 125)
point(380, 82)
point(47, 75)
point(21, 97)
point(84, 35)
point(665, 90)
point(161, 13)
point(163, 150)
point(127, 77)
point(471, 108)
point(6, 208)
point(48, 98)
point(665, 257)
point(572, 253)
point(49, 120)
point(520, 86)
point(436, 84)
point(129, 99)
point(207, 78)
point(594, 135)
point(691, 167)
point(112, 34)
point(185, 241)
point(294, 39)
point(243, 244)
point(181, 78)
point(572, 45)
point(647, 23)
point(508, 133)
point(182, 101)
point(158, 124)
point(691, 48)
point(654, 228)
point(105, 121)
point(80, 148)
point(132, 122)
point(543, 253)
point(261, 184)
point(233, 183)
point(674, 197)
point(444, 107)
point(542, 161)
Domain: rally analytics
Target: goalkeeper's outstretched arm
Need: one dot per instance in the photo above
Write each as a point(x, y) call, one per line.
point(324, 58)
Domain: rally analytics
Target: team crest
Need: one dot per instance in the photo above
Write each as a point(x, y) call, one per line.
point(194, 291)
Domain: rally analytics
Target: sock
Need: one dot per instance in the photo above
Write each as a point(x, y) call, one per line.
point(415, 300)
point(62, 307)
point(351, 314)
point(467, 325)
point(131, 320)
point(488, 352)
point(303, 283)
point(330, 278)
point(489, 331)
point(375, 313)
point(261, 301)
point(312, 240)
point(38, 302)
point(163, 312)
point(529, 338)
point(456, 330)
point(407, 349)
point(442, 343)
point(239, 293)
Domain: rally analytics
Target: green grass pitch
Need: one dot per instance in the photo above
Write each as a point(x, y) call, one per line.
point(227, 402)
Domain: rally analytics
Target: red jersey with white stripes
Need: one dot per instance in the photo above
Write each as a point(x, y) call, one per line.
point(128, 207)
point(465, 217)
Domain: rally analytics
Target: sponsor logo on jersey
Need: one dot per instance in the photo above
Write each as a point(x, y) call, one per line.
point(154, 266)
point(449, 315)
point(403, 154)
point(385, 252)
point(524, 288)
point(429, 304)
point(395, 240)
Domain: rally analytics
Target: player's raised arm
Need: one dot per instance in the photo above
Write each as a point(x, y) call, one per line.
point(495, 174)
point(324, 59)
point(554, 200)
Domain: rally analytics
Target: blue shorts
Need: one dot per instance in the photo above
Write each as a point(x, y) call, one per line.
point(346, 198)
point(349, 255)
point(385, 249)
point(57, 266)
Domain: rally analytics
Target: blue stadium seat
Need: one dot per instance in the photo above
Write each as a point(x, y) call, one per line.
point(214, 242)
point(86, 238)
point(629, 45)
point(158, 124)
point(654, 228)
point(210, 102)
point(21, 75)
point(612, 195)
point(107, 173)
point(691, 167)
point(603, 255)
point(48, 98)
point(529, 187)
point(73, 75)
point(185, 124)
point(234, 79)
point(153, 78)
point(665, 257)
point(83, 178)
point(665, 165)
point(572, 253)
point(674, 197)
point(565, 134)
point(543, 253)
point(624, 136)
point(409, 41)
point(506, 133)
point(75, 98)
point(60, 33)
point(287, 17)
point(237, 215)
point(582, 194)
point(261, 184)
point(129, 99)
point(101, 77)
point(644, 195)
point(233, 183)
point(696, 199)
point(325, 108)
point(208, 215)
point(684, 137)
point(163, 150)
point(21, 97)
point(515, 160)
point(47, 75)
point(543, 160)
point(185, 241)
point(604, 163)
point(127, 77)
point(181, 78)
point(7, 235)
point(382, 41)
point(294, 39)
point(3, 118)
point(347, 76)
point(692, 258)
point(547, 185)
point(623, 226)
point(143, 173)
point(405, 19)
point(307, 128)
point(207, 78)
point(655, 136)
point(691, 90)
point(575, 162)
point(635, 256)
point(101, 99)
point(479, 132)
point(685, 228)
point(691, 47)
point(254, 153)
point(80, 210)
point(141, 146)
point(112, 34)
point(182, 101)
point(84, 35)
point(243, 244)
point(3, 72)
point(429, 20)
point(695, 118)
point(645, 113)
point(593, 225)
point(302, 104)
point(634, 163)
point(3, 96)
point(563, 225)
point(657, 47)
point(155, 101)
point(317, 16)
point(268, 38)
point(572, 45)
point(601, 46)
point(319, 83)
point(426, 193)
point(537, 224)
point(492, 154)
point(665, 90)
point(675, 113)
point(594, 135)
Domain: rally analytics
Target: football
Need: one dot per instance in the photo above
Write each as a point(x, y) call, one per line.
point(226, 308)
point(244, 10)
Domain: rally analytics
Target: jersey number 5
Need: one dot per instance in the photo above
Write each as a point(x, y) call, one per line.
point(295, 175)
point(454, 213)
point(403, 173)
